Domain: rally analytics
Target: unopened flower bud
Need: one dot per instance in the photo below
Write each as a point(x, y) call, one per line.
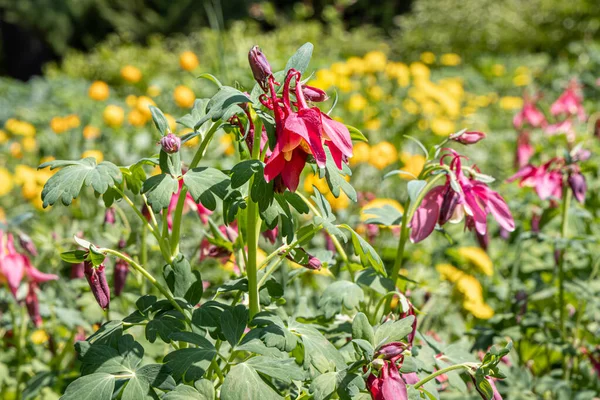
point(314, 94)
point(261, 69)
point(578, 186)
point(109, 216)
point(77, 271)
point(27, 244)
point(122, 243)
point(449, 203)
point(170, 143)
point(313, 263)
point(468, 137)
point(390, 350)
point(120, 276)
point(147, 213)
point(271, 234)
point(96, 278)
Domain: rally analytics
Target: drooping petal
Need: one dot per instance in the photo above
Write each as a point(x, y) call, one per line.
point(474, 209)
point(293, 169)
point(307, 124)
point(35, 275)
point(427, 214)
point(336, 154)
point(338, 133)
point(392, 385)
point(274, 165)
point(12, 267)
point(500, 210)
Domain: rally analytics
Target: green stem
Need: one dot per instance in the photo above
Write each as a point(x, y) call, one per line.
point(144, 256)
point(561, 261)
point(20, 341)
point(67, 348)
point(150, 278)
point(443, 371)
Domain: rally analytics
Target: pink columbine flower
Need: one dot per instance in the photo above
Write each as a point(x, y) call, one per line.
point(546, 179)
point(444, 204)
point(189, 204)
point(271, 234)
point(529, 115)
point(570, 102)
point(467, 138)
point(524, 150)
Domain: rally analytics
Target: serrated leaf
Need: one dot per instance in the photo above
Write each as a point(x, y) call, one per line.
point(184, 392)
point(164, 325)
point(335, 177)
point(97, 386)
point(190, 363)
point(160, 121)
point(67, 183)
point(340, 295)
point(367, 254)
point(226, 98)
point(182, 281)
point(205, 183)
point(243, 382)
point(386, 215)
point(362, 329)
point(159, 189)
point(233, 323)
point(284, 370)
point(207, 317)
point(393, 331)
point(157, 375)
point(243, 171)
point(318, 351)
point(138, 389)
point(324, 385)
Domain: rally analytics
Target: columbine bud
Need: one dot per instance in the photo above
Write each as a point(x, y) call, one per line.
point(261, 69)
point(77, 271)
point(27, 244)
point(122, 244)
point(314, 94)
point(313, 263)
point(109, 216)
point(468, 137)
point(578, 186)
point(97, 281)
point(449, 202)
point(170, 143)
point(390, 350)
point(271, 234)
point(120, 276)
point(147, 213)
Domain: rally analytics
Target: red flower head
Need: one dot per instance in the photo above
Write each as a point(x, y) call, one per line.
point(389, 385)
point(546, 179)
point(529, 115)
point(570, 102)
point(524, 150)
point(444, 204)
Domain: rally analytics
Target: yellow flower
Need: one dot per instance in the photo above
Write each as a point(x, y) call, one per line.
point(422, 124)
point(131, 100)
point(3, 137)
point(58, 124)
point(338, 203)
point(2, 215)
point(410, 106)
point(356, 102)
point(521, 70)
point(498, 69)
point(375, 61)
point(324, 79)
point(142, 105)
point(470, 288)
point(442, 126)
point(382, 155)
point(136, 118)
point(450, 59)
point(39, 336)
point(411, 163)
point(90, 132)
point(72, 121)
point(420, 70)
point(227, 144)
point(361, 153)
point(375, 92)
point(172, 122)
point(113, 116)
point(188, 61)
point(184, 96)
point(6, 182)
point(344, 84)
point(478, 258)
point(99, 91)
point(15, 150)
point(153, 91)
point(314, 180)
point(428, 57)
point(97, 154)
point(522, 80)
point(131, 74)
point(29, 144)
point(378, 203)
point(395, 113)
point(24, 174)
point(340, 68)
point(356, 65)
point(373, 124)
point(21, 128)
point(511, 103)
point(479, 309)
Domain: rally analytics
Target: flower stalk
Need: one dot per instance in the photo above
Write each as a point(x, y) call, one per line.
point(561, 261)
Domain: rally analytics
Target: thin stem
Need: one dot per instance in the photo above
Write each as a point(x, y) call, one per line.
point(150, 278)
point(443, 371)
point(20, 343)
point(566, 201)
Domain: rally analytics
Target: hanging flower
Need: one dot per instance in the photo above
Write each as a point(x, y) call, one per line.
point(529, 115)
point(389, 385)
point(570, 102)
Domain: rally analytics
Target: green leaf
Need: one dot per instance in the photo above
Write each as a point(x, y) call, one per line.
point(324, 385)
point(35, 384)
point(205, 183)
point(157, 375)
point(211, 78)
point(243, 171)
point(67, 183)
point(233, 324)
point(414, 188)
point(205, 388)
point(159, 189)
point(163, 325)
point(301, 58)
point(138, 389)
point(185, 392)
point(189, 120)
point(98, 386)
point(340, 295)
point(160, 121)
point(362, 329)
point(182, 281)
point(393, 331)
point(134, 177)
point(318, 351)
point(335, 177)
point(74, 256)
point(356, 134)
point(190, 363)
point(367, 254)
point(226, 98)
point(421, 146)
point(243, 382)
point(274, 333)
point(101, 358)
point(207, 317)
point(386, 215)
point(284, 370)
point(170, 163)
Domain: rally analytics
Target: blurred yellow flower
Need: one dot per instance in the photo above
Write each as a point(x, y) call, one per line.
point(15, 150)
point(477, 257)
point(188, 60)
point(153, 91)
point(422, 124)
point(136, 118)
point(419, 70)
point(226, 142)
point(511, 102)
point(184, 96)
point(522, 70)
point(395, 113)
point(375, 61)
point(522, 80)
point(2, 215)
point(340, 68)
point(142, 105)
point(412, 163)
point(99, 91)
point(324, 79)
point(6, 182)
point(361, 153)
point(39, 336)
point(410, 106)
point(428, 57)
point(131, 100)
point(356, 102)
point(113, 116)
point(470, 288)
point(97, 154)
point(314, 180)
point(373, 124)
point(3, 137)
point(90, 132)
point(29, 144)
point(382, 155)
point(378, 203)
point(442, 126)
point(20, 128)
point(450, 59)
point(172, 122)
point(356, 65)
point(375, 92)
point(498, 69)
point(63, 124)
point(131, 74)
point(338, 203)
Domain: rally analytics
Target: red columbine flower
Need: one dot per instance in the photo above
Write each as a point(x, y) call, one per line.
point(97, 280)
point(389, 385)
point(529, 115)
point(444, 204)
point(545, 179)
point(570, 102)
point(524, 150)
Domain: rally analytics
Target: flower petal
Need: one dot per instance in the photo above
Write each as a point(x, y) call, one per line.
point(338, 134)
point(426, 216)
